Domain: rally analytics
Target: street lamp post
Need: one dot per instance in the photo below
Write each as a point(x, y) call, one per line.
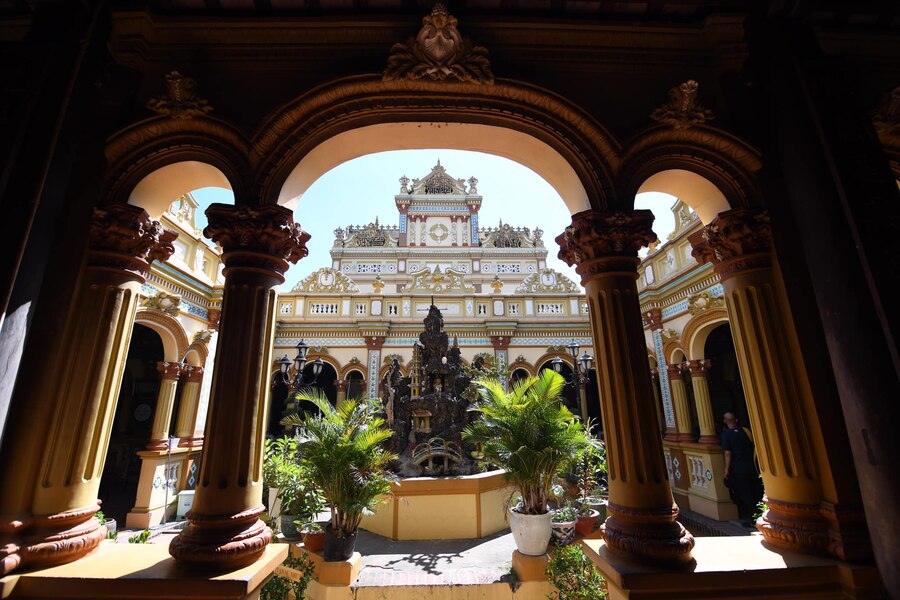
point(283, 378)
point(579, 375)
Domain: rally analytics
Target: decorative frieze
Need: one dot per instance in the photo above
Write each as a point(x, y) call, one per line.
point(326, 281)
point(164, 302)
point(547, 281)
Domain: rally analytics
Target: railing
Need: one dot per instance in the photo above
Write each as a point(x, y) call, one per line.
point(435, 448)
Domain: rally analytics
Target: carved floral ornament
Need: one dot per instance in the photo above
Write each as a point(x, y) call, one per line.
point(439, 281)
point(733, 234)
point(439, 52)
point(267, 231)
point(595, 235)
point(326, 281)
point(546, 281)
point(683, 110)
point(165, 302)
point(123, 237)
point(704, 301)
point(180, 101)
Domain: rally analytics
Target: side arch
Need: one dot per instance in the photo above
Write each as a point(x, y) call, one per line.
point(727, 162)
point(671, 350)
point(698, 329)
point(174, 338)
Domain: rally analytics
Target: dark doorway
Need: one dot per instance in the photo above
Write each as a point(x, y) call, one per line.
point(355, 384)
point(132, 422)
point(725, 389)
point(517, 376)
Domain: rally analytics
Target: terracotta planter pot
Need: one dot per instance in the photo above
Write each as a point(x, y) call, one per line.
point(586, 523)
point(314, 540)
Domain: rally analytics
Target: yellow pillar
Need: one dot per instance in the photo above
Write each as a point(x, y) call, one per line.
point(165, 400)
point(705, 415)
point(642, 515)
point(50, 491)
point(186, 421)
point(341, 385)
point(224, 530)
point(685, 432)
point(738, 242)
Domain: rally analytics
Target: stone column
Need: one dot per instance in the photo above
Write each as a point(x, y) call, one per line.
point(705, 416)
point(738, 242)
point(341, 385)
point(501, 355)
point(186, 422)
point(224, 530)
point(50, 490)
point(642, 521)
point(684, 432)
point(653, 317)
point(165, 401)
point(373, 364)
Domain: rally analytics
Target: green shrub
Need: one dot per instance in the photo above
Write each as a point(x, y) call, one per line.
point(574, 575)
point(140, 538)
point(279, 588)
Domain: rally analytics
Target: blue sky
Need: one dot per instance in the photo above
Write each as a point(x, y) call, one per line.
point(357, 191)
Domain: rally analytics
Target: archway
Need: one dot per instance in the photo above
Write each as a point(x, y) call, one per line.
point(726, 390)
point(355, 383)
point(132, 422)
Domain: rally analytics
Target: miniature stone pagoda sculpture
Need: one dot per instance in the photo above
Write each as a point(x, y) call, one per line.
point(426, 410)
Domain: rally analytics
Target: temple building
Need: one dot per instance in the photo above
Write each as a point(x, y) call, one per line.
point(498, 297)
point(137, 360)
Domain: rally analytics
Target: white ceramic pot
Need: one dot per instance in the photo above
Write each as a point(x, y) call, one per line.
point(531, 532)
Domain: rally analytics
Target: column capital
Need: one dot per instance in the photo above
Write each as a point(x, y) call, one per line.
point(736, 241)
point(699, 367)
point(375, 342)
point(193, 374)
point(500, 342)
point(262, 238)
point(170, 370)
point(214, 314)
point(654, 319)
point(675, 372)
point(600, 242)
point(341, 384)
point(124, 238)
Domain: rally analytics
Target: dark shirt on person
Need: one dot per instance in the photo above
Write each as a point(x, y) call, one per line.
point(740, 445)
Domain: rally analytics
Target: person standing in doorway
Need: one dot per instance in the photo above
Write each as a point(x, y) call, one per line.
point(741, 476)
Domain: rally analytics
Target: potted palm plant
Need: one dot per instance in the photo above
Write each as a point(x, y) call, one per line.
point(341, 447)
point(297, 497)
point(585, 473)
point(532, 435)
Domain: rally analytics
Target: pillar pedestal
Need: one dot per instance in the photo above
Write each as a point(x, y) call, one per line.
point(738, 242)
point(642, 515)
point(224, 530)
point(50, 490)
point(705, 417)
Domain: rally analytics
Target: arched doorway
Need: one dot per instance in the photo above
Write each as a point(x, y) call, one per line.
point(355, 384)
point(132, 423)
point(518, 375)
point(726, 391)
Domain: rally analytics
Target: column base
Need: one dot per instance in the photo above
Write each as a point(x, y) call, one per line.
point(55, 539)
point(191, 442)
point(709, 440)
point(848, 532)
point(160, 444)
point(685, 437)
point(222, 542)
point(794, 526)
point(647, 534)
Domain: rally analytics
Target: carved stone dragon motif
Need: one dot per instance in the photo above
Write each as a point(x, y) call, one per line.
point(180, 100)
point(439, 52)
point(683, 110)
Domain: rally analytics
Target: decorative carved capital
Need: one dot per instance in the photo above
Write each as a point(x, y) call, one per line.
point(699, 368)
point(500, 342)
point(683, 110)
point(440, 53)
point(341, 384)
point(736, 241)
point(605, 242)
point(261, 238)
point(181, 100)
point(375, 342)
point(648, 534)
point(124, 238)
point(193, 374)
point(653, 317)
point(169, 370)
point(676, 372)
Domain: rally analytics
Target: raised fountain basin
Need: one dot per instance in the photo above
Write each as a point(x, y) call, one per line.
point(443, 508)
